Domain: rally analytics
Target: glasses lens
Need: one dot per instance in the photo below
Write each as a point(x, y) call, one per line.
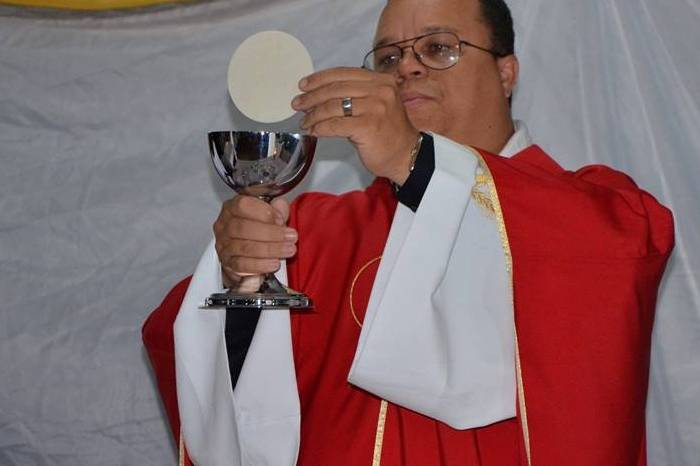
point(383, 59)
point(439, 50)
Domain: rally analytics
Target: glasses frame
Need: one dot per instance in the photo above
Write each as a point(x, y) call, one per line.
point(419, 57)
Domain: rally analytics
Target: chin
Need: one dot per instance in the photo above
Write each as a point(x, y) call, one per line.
point(425, 123)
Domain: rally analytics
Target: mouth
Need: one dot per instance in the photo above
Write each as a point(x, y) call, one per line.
point(414, 99)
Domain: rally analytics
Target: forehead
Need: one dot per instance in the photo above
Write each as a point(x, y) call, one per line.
point(402, 19)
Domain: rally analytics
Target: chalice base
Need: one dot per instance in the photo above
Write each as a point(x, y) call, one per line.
point(271, 295)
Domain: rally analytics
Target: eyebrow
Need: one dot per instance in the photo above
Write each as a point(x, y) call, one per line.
point(426, 30)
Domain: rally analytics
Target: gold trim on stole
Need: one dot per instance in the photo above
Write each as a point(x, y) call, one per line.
point(494, 207)
point(379, 437)
point(481, 194)
point(181, 452)
point(384, 405)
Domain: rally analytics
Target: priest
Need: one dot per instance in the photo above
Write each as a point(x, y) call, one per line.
point(470, 308)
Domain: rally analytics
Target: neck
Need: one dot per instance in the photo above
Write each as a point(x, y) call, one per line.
point(506, 134)
point(491, 137)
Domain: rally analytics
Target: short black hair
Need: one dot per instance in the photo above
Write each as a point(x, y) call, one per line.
point(496, 14)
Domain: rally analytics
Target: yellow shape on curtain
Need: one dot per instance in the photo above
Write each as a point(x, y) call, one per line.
point(89, 5)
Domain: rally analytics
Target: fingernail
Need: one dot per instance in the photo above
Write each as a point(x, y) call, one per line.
point(288, 250)
point(290, 234)
point(279, 220)
point(295, 102)
point(303, 83)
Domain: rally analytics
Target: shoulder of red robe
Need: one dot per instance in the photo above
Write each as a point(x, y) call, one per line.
point(600, 210)
point(589, 249)
point(157, 334)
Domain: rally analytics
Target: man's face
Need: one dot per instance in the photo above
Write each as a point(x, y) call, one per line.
point(461, 102)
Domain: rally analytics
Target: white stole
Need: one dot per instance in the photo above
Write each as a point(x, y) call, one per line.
point(258, 422)
point(438, 336)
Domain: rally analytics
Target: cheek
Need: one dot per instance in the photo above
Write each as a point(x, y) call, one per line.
point(464, 99)
point(459, 94)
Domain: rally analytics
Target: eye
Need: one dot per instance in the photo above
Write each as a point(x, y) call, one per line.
point(435, 48)
point(386, 57)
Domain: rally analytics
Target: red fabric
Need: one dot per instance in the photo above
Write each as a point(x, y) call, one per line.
point(588, 250)
point(159, 341)
point(338, 236)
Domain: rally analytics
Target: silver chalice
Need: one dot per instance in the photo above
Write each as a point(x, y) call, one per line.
point(266, 165)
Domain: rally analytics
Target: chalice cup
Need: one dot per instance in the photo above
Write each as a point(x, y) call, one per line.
point(265, 165)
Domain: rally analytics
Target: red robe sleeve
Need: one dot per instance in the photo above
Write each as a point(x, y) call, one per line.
point(157, 333)
point(589, 249)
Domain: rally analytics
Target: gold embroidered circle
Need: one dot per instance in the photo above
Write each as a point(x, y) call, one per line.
point(352, 287)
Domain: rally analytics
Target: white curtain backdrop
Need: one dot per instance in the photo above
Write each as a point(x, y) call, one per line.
point(107, 195)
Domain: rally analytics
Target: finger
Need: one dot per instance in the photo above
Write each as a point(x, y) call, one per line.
point(343, 127)
point(245, 266)
point(250, 208)
point(334, 109)
point(281, 205)
point(258, 249)
point(331, 91)
point(323, 77)
point(241, 228)
point(249, 284)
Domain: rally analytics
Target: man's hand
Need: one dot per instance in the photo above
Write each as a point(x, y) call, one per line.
point(378, 128)
point(251, 238)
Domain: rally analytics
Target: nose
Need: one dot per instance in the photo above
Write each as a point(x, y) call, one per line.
point(409, 66)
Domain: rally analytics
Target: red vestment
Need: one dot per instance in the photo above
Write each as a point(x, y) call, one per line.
point(588, 251)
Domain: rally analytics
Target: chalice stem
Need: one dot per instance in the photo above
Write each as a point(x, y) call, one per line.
point(271, 285)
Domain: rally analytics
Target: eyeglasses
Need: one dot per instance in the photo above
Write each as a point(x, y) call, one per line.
point(436, 50)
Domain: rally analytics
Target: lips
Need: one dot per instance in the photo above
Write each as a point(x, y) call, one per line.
point(410, 99)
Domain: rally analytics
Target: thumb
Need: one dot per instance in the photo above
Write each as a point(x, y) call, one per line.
point(281, 206)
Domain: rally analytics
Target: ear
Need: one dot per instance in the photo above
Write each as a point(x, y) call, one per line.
point(508, 70)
